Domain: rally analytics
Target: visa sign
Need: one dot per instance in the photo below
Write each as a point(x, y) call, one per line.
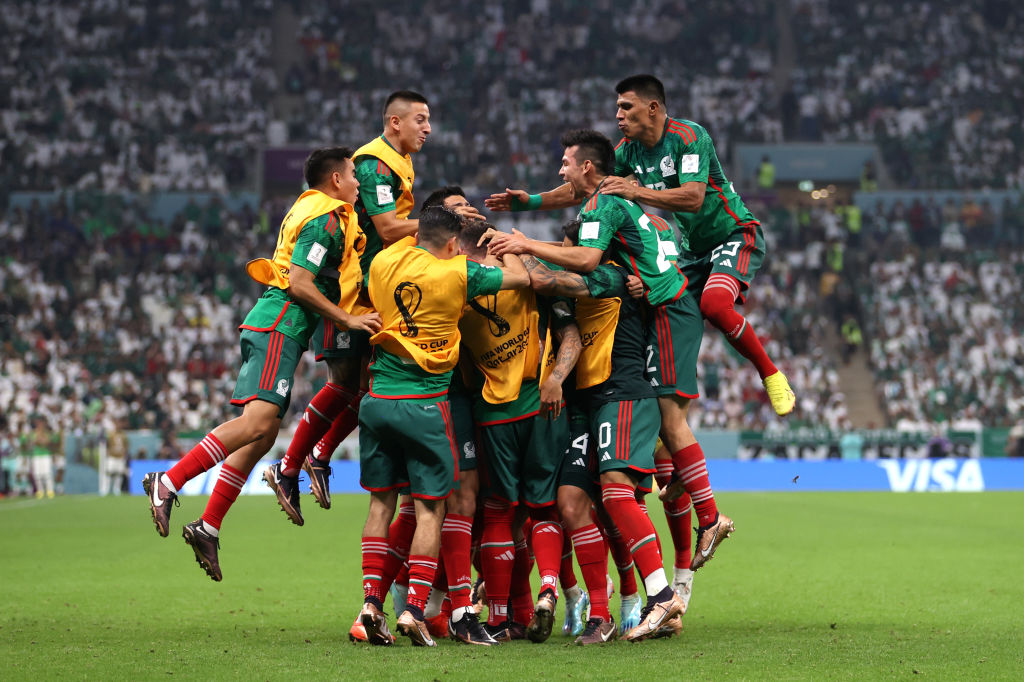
point(929, 475)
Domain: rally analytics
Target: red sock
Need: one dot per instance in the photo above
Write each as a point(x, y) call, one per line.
point(399, 540)
point(520, 593)
point(403, 576)
point(547, 547)
point(440, 582)
point(497, 553)
point(421, 577)
point(339, 431)
point(677, 513)
point(623, 560)
point(207, 453)
point(717, 304)
point(635, 526)
point(456, 537)
point(592, 554)
point(224, 494)
point(690, 466)
point(566, 574)
point(316, 420)
point(375, 551)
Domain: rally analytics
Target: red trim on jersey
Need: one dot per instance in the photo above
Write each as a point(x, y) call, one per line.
point(332, 223)
point(449, 430)
point(668, 365)
point(418, 496)
point(272, 362)
point(272, 326)
point(538, 505)
point(684, 131)
point(725, 202)
point(621, 142)
point(406, 397)
point(384, 490)
point(749, 242)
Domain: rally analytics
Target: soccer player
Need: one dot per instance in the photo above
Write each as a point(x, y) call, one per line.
point(645, 242)
point(623, 420)
point(420, 286)
point(523, 433)
point(316, 238)
point(385, 173)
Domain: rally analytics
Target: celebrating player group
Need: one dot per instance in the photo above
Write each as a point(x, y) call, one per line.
point(516, 399)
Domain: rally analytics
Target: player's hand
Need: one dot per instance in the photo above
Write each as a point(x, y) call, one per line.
point(634, 286)
point(469, 213)
point(369, 322)
point(620, 187)
point(503, 242)
point(551, 399)
point(502, 201)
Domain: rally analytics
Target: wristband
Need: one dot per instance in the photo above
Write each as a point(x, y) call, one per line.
point(532, 204)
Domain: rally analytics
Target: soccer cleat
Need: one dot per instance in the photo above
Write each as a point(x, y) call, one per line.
point(287, 490)
point(655, 615)
point(709, 538)
point(682, 584)
point(630, 610)
point(468, 630)
point(415, 630)
point(319, 480)
point(357, 633)
point(399, 597)
point(576, 613)
point(539, 628)
point(509, 631)
point(672, 627)
point(205, 546)
point(160, 499)
point(598, 631)
point(782, 396)
point(375, 626)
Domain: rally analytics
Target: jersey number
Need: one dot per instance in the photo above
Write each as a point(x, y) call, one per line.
point(604, 435)
point(728, 249)
point(666, 243)
point(581, 443)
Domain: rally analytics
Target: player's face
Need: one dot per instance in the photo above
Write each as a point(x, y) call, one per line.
point(572, 172)
point(456, 202)
point(632, 114)
point(414, 126)
point(345, 180)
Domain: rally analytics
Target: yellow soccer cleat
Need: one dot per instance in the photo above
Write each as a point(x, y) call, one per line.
point(782, 396)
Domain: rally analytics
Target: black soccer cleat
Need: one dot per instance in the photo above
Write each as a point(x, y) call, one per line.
point(160, 500)
point(205, 547)
point(287, 490)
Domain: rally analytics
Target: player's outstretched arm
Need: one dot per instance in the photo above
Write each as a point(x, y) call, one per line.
point(550, 282)
point(520, 200)
point(688, 197)
point(391, 228)
point(513, 274)
point(302, 288)
point(578, 258)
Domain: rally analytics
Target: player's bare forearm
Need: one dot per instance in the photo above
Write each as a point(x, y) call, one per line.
point(688, 198)
point(559, 197)
point(391, 228)
point(513, 272)
point(570, 345)
point(302, 288)
point(544, 280)
point(579, 258)
point(516, 199)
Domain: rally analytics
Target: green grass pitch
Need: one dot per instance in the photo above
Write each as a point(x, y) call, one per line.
point(811, 586)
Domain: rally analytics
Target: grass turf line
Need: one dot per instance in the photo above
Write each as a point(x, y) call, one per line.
point(812, 585)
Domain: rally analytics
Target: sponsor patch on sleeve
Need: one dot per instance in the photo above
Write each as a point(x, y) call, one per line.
point(316, 254)
point(590, 230)
point(690, 163)
point(384, 195)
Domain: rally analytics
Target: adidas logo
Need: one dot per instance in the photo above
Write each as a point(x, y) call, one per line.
point(548, 529)
point(579, 463)
point(507, 555)
point(605, 457)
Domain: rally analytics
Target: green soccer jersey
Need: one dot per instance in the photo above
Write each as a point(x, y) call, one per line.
point(685, 153)
point(379, 188)
point(642, 242)
point(319, 248)
point(393, 376)
point(628, 379)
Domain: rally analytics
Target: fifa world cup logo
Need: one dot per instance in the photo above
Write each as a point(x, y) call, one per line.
point(408, 297)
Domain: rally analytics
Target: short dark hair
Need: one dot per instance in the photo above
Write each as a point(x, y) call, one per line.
point(438, 196)
point(437, 225)
point(322, 162)
point(645, 85)
point(572, 230)
point(593, 147)
point(471, 232)
point(402, 96)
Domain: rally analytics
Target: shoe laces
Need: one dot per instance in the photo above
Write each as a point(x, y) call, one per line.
point(593, 624)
